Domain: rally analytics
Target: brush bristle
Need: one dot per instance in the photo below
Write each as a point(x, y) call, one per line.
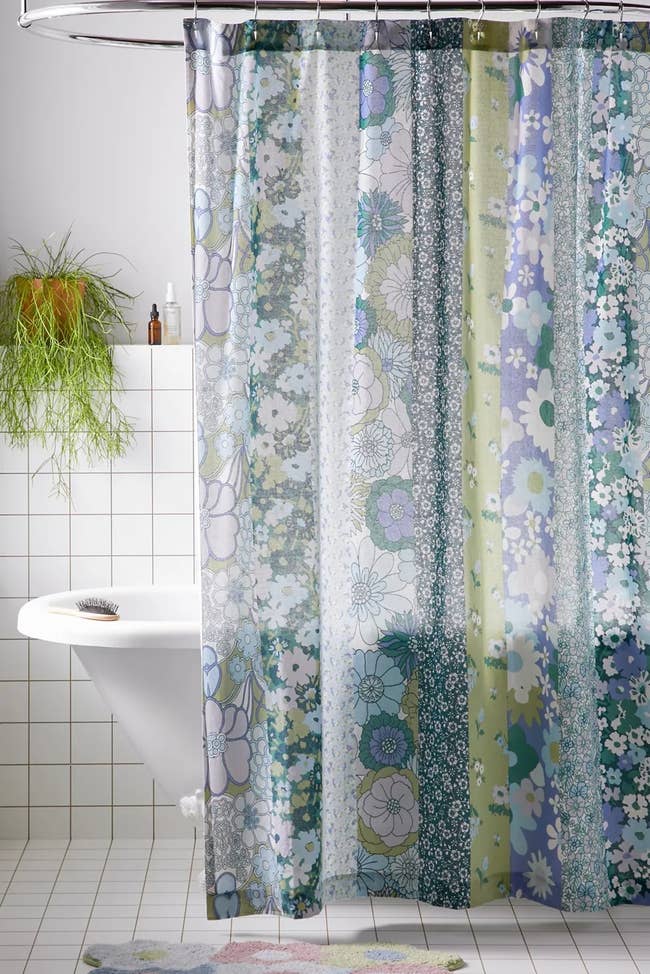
point(98, 606)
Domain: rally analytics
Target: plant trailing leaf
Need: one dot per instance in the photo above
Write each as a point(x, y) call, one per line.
point(57, 377)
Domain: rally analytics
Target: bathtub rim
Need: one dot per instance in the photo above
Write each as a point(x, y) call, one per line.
point(35, 622)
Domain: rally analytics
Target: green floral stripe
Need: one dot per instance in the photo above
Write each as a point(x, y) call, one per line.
point(283, 461)
point(584, 874)
point(486, 140)
point(444, 841)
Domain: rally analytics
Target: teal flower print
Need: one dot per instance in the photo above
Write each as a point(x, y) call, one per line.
point(378, 685)
point(380, 218)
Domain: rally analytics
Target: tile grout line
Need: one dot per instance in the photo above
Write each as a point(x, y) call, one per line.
point(46, 907)
point(15, 869)
point(189, 888)
point(521, 934)
point(92, 908)
point(478, 949)
point(144, 884)
point(374, 919)
point(424, 932)
point(623, 940)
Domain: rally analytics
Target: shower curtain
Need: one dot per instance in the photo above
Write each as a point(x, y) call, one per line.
point(422, 305)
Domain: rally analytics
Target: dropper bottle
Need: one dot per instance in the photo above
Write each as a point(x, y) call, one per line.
point(171, 318)
point(153, 328)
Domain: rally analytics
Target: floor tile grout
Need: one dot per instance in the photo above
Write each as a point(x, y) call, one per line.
point(161, 880)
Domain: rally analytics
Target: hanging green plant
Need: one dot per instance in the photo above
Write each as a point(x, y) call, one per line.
point(57, 377)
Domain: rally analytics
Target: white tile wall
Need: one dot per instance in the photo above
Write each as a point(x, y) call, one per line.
point(66, 769)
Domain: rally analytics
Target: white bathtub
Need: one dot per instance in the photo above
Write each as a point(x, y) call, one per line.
point(146, 666)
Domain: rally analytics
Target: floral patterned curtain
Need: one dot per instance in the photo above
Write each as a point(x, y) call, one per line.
point(422, 286)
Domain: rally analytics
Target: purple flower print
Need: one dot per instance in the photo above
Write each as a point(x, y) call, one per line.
point(395, 514)
point(226, 744)
point(376, 99)
point(629, 659)
point(389, 808)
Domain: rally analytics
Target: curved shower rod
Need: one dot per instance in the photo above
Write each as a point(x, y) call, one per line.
point(39, 20)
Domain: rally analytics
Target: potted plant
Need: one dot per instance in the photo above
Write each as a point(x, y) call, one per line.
point(57, 377)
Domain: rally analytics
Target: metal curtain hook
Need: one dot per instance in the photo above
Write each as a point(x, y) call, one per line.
point(621, 25)
point(317, 18)
point(377, 24)
point(477, 30)
point(195, 10)
point(430, 23)
point(538, 13)
point(255, 11)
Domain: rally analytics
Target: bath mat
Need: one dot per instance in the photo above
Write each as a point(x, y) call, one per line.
point(257, 957)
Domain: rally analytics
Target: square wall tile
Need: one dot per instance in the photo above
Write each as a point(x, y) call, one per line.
point(13, 534)
point(49, 701)
point(49, 534)
point(49, 661)
point(173, 493)
point(90, 493)
point(13, 493)
point(88, 571)
point(43, 497)
point(47, 575)
point(137, 458)
point(49, 743)
point(49, 784)
point(49, 823)
point(173, 452)
point(133, 823)
point(13, 701)
point(133, 362)
point(173, 534)
point(90, 534)
point(14, 577)
point(13, 784)
point(132, 784)
point(172, 367)
point(91, 823)
point(13, 459)
point(91, 743)
point(132, 570)
point(123, 750)
point(131, 493)
point(9, 609)
point(136, 406)
point(173, 410)
point(91, 784)
point(14, 823)
point(132, 534)
point(14, 748)
point(170, 824)
point(87, 703)
point(173, 570)
point(14, 661)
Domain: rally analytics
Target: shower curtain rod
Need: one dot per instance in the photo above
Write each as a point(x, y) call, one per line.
point(39, 20)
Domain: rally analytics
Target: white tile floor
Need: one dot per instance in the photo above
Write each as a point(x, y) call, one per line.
point(57, 896)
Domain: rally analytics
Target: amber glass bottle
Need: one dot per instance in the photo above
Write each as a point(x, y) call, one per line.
point(154, 329)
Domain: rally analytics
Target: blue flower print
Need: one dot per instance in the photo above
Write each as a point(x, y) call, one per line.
point(226, 899)
point(378, 685)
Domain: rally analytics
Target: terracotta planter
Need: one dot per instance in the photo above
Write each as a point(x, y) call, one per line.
point(63, 299)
